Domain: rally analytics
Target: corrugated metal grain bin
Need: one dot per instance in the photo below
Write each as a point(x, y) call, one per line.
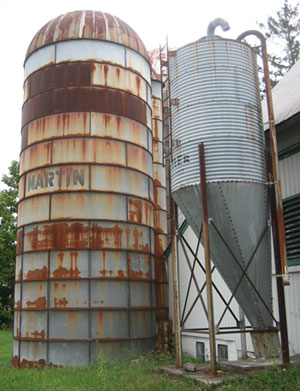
point(85, 259)
point(214, 83)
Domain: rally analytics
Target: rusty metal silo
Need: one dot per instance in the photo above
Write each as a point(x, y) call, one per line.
point(85, 252)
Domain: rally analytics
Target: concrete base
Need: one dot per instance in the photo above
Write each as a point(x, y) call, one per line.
point(228, 370)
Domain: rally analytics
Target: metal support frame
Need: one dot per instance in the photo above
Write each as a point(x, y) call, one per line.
point(278, 228)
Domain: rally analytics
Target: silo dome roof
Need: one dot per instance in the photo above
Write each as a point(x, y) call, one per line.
point(87, 25)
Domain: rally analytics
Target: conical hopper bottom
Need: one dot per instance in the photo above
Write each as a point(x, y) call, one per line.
point(240, 212)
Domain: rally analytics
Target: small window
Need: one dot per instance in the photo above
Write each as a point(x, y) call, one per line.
point(200, 350)
point(222, 352)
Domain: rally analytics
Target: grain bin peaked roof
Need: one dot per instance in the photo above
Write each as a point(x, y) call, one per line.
point(87, 25)
point(286, 97)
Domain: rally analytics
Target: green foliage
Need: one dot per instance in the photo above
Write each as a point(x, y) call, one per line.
point(283, 30)
point(8, 233)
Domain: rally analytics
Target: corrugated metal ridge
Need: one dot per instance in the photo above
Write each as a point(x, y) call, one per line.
point(286, 98)
point(94, 25)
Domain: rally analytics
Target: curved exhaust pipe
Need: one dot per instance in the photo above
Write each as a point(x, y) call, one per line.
point(214, 24)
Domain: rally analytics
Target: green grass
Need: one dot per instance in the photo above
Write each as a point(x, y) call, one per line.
point(139, 375)
point(131, 375)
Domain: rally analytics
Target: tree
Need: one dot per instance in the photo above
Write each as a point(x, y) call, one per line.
point(8, 235)
point(283, 31)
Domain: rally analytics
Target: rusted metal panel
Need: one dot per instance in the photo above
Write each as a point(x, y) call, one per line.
point(17, 323)
point(17, 296)
point(160, 221)
point(69, 294)
point(34, 295)
point(142, 323)
point(139, 64)
point(68, 325)
point(35, 156)
point(69, 265)
point(156, 89)
point(140, 294)
point(157, 129)
point(105, 100)
point(106, 235)
point(140, 266)
point(18, 268)
point(78, 150)
point(139, 159)
point(59, 125)
point(109, 294)
point(122, 128)
point(15, 359)
point(35, 266)
point(26, 91)
point(88, 206)
point(109, 264)
point(151, 191)
point(61, 75)
point(159, 175)
point(120, 180)
point(34, 325)
point(38, 205)
point(98, 51)
point(156, 108)
point(140, 211)
point(160, 244)
point(105, 75)
point(110, 324)
point(56, 236)
point(39, 59)
point(32, 355)
point(157, 152)
point(68, 353)
point(160, 198)
point(57, 179)
point(21, 193)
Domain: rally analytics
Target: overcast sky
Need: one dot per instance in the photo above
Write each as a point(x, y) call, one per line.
point(182, 21)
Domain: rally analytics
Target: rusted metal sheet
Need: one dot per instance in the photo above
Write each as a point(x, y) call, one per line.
point(139, 64)
point(64, 325)
point(56, 126)
point(96, 25)
point(156, 108)
point(104, 324)
point(77, 150)
point(33, 354)
point(160, 221)
point(105, 75)
point(140, 211)
point(69, 265)
point(160, 199)
point(36, 156)
point(69, 294)
point(17, 296)
point(68, 206)
point(35, 266)
point(57, 179)
point(157, 152)
point(120, 180)
point(21, 193)
point(105, 100)
point(18, 269)
point(34, 295)
point(40, 206)
point(159, 175)
point(56, 236)
point(157, 128)
point(34, 325)
point(68, 353)
point(139, 159)
point(120, 128)
point(109, 264)
point(142, 323)
point(44, 56)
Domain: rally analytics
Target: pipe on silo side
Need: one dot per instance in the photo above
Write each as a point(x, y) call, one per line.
point(160, 220)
